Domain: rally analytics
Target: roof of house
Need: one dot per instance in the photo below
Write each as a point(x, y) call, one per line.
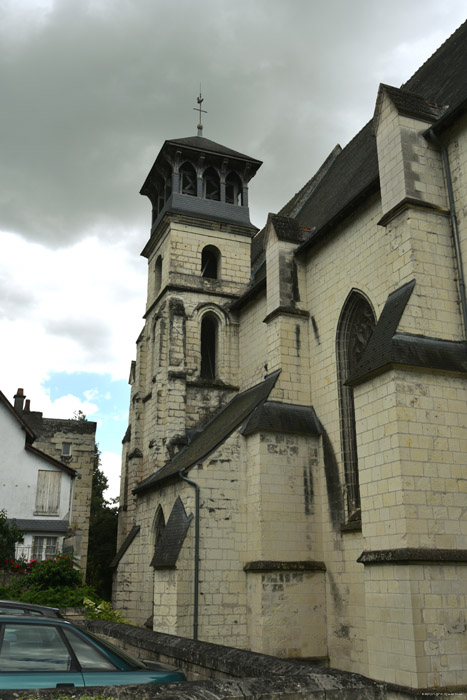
point(33, 525)
point(31, 436)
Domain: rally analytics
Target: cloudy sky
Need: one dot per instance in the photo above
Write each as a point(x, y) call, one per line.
point(90, 89)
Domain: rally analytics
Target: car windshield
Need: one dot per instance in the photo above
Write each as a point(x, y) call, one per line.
point(119, 653)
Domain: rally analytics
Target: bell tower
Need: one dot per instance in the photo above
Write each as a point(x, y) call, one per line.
point(198, 257)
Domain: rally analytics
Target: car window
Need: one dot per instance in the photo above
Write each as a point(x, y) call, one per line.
point(10, 610)
point(88, 656)
point(33, 648)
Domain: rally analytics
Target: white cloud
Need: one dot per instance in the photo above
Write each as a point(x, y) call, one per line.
point(110, 465)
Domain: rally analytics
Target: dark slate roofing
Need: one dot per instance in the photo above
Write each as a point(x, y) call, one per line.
point(277, 417)
point(378, 351)
point(29, 525)
point(172, 537)
point(353, 175)
point(125, 545)
point(413, 105)
point(386, 347)
point(288, 229)
point(214, 433)
point(199, 143)
point(293, 207)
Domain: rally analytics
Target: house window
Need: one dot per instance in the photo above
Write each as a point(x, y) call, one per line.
point(188, 179)
point(355, 327)
point(209, 332)
point(233, 189)
point(212, 185)
point(48, 492)
point(66, 449)
point(44, 547)
point(210, 259)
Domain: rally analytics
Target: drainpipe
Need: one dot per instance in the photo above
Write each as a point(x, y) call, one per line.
point(196, 582)
point(454, 227)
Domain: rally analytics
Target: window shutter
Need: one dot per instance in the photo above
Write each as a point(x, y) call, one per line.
point(48, 492)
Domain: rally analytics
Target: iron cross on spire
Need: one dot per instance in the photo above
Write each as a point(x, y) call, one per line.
point(201, 111)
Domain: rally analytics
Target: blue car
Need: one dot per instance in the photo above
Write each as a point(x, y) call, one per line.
point(52, 653)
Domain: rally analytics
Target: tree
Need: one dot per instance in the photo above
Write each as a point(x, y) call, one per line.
point(102, 533)
point(10, 534)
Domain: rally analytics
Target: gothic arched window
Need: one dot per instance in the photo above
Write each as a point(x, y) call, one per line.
point(188, 179)
point(355, 327)
point(211, 184)
point(210, 262)
point(233, 189)
point(209, 333)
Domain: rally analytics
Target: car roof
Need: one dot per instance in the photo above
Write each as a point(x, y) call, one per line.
point(18, 605)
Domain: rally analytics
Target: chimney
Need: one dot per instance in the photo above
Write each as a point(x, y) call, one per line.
point(19, 400)
point(27, 406)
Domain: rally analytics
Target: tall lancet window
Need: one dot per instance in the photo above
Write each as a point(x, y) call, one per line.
point(209, 334)
point(355, 327)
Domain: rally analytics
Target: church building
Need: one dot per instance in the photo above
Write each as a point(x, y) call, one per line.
point(294, 473)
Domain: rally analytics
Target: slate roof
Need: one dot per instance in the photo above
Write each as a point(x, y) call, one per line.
point(200, 143)
point(214, 433)
point(172, 537)
point(125, 545)
point(353, 175)
point(414, 105)
point(387, 347)
point(277, 417)
point(30, 525)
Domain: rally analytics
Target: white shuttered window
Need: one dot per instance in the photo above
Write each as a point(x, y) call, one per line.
point(48, 492)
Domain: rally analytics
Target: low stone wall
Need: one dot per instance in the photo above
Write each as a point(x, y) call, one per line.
point(225, 673)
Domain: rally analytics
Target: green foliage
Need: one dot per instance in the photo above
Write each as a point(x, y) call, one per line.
point(102, 533)
point(10, 534)
point(57, 572)
point(102, 611)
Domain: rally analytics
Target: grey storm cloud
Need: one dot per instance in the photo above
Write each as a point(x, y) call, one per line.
point(91, 89)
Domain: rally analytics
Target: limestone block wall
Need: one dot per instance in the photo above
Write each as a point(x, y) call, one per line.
point(416, 624)
point(409, 165)
point(456, 141)
point(287, 613)
point(81, 435)
point(420, 247)
point(281, 493)
point(360, 263)
point(412, 435)
point(253, 343)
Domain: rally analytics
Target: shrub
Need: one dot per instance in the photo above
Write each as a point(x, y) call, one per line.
point(102, 611)
point(57, 572)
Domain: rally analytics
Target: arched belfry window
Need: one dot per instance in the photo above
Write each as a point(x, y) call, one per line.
point(211, 184)
point(188, 179)
point(233, 189)
point(210, 262)
point(355, 327)
point(209, 343)
point(158, 274)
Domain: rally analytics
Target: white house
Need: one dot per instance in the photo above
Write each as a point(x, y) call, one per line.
point(36, 489)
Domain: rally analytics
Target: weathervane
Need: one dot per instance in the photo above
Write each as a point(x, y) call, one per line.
point(200, 101)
